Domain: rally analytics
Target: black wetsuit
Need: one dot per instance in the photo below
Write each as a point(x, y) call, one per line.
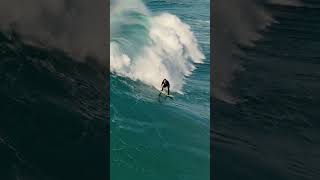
point(165, 83)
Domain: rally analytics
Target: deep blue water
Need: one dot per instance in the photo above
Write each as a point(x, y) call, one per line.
point(273, 131)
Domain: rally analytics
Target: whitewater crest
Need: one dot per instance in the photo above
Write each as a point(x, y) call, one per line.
point(149, 48)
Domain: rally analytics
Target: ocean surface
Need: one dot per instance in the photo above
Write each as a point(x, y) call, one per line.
point(265, 119)
point(153, 137)
point(53, 90)
point(53, 114)
point(272, 130)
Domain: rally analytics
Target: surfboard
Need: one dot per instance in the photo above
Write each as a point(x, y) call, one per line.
point(165, 94)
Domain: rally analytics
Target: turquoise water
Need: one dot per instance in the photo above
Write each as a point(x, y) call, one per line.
point(154, 137)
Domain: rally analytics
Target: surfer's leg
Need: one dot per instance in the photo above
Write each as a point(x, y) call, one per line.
point(168, 90)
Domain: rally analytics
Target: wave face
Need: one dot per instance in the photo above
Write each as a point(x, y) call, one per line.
point(149, 48)
point(272, 132)
point(153, 137)
point(53, 114)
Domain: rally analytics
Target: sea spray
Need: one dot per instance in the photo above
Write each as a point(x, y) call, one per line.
point(149, 47)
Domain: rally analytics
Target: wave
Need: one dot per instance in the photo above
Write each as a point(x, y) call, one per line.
point(79, 28)
point(232, 33)
point(149, 47)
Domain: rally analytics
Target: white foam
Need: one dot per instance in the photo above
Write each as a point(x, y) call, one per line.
point(171, 53)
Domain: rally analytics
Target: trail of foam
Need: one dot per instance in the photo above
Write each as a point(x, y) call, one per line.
point(167, 48)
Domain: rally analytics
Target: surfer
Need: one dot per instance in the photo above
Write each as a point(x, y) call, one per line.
point(165, 84)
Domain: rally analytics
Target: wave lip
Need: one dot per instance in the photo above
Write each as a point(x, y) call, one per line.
point(153, 48)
